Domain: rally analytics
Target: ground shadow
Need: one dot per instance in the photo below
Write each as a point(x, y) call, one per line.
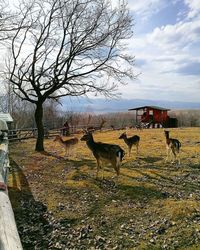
point(29, 213)
point(150, 159)
point(140, 192)
point(76, 162)
point(195, 166)
point(53, 155)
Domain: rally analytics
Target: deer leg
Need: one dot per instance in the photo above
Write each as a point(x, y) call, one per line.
point(178, 156)
point(137, 148)
point(71, 150)
point(166, 159)
point(54, 148)
point(174, 154)
point(129, 151)
point(74, 152)
point(116, 165)
point(170, 155)
point(66, 152)
point(98, 167)
point(179, 160)
point(102, 169)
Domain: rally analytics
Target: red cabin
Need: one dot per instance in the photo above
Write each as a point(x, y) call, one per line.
point(153, 116)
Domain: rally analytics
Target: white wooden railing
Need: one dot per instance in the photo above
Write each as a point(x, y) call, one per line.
point(9, 237)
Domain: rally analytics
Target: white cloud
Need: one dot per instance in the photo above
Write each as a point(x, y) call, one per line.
point(146, 8)
point(176, 36)
point(167, 55)
point(168, 48)
point(168, 58)
point(194, 6)
point(152, 85)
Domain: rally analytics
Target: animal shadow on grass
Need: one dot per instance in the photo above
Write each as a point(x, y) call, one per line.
point(91, 174)
point(194, 166)
point(80, 173)
point(109, 185)
point(29, 213)
point(53, 155)
point(150, 159)
point(140, 192)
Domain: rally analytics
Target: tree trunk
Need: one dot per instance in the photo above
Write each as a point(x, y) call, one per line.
point(40, 128)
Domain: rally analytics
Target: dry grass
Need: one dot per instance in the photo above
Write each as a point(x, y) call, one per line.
point(153, 205)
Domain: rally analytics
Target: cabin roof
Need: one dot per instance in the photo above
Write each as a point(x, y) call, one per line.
point(6, 117)
point(150, 107)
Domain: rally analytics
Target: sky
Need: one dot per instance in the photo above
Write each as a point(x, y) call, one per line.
point(166, 46)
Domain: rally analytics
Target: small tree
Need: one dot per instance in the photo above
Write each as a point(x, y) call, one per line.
point(68, 48)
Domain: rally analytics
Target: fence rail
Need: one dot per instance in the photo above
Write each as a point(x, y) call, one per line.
point(23, 134)
point(27, 133)
point(9, 237)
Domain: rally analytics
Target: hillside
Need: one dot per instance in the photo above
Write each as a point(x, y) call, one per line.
point(100, 105)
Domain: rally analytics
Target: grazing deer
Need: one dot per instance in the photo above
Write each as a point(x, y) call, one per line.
point(134, 140)
point(173, 146)
point(66, 144)
point(104, 151)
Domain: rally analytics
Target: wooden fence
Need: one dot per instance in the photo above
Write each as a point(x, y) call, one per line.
point(9, 237)
point(23, 134)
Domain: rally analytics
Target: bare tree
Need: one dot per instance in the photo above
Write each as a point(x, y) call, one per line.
point(5, 21)
point(8, 22)
point(3, 103)
point(21, 111)
point(69, 48)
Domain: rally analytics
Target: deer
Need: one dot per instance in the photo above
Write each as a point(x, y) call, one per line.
point(94, 128)
point(173, 146)
point(67, 144)
point(130, 141)
point(111, 153)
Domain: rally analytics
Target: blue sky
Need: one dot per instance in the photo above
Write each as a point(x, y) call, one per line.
point(166, 46)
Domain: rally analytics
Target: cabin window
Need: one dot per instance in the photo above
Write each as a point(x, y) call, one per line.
point(150, 112)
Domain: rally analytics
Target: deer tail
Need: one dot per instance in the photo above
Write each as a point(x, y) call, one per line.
point(120, 155)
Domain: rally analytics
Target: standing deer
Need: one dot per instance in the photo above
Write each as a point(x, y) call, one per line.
point(94, 128)
point(68, 144)
point(104, 151)
point(173, 146)
point(134, 140)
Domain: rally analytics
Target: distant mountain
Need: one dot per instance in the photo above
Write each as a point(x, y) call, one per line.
point(101, 105)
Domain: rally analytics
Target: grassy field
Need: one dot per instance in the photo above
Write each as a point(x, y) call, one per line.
point(60, 204)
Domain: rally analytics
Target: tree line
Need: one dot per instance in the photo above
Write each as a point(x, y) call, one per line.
point(54, 117)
